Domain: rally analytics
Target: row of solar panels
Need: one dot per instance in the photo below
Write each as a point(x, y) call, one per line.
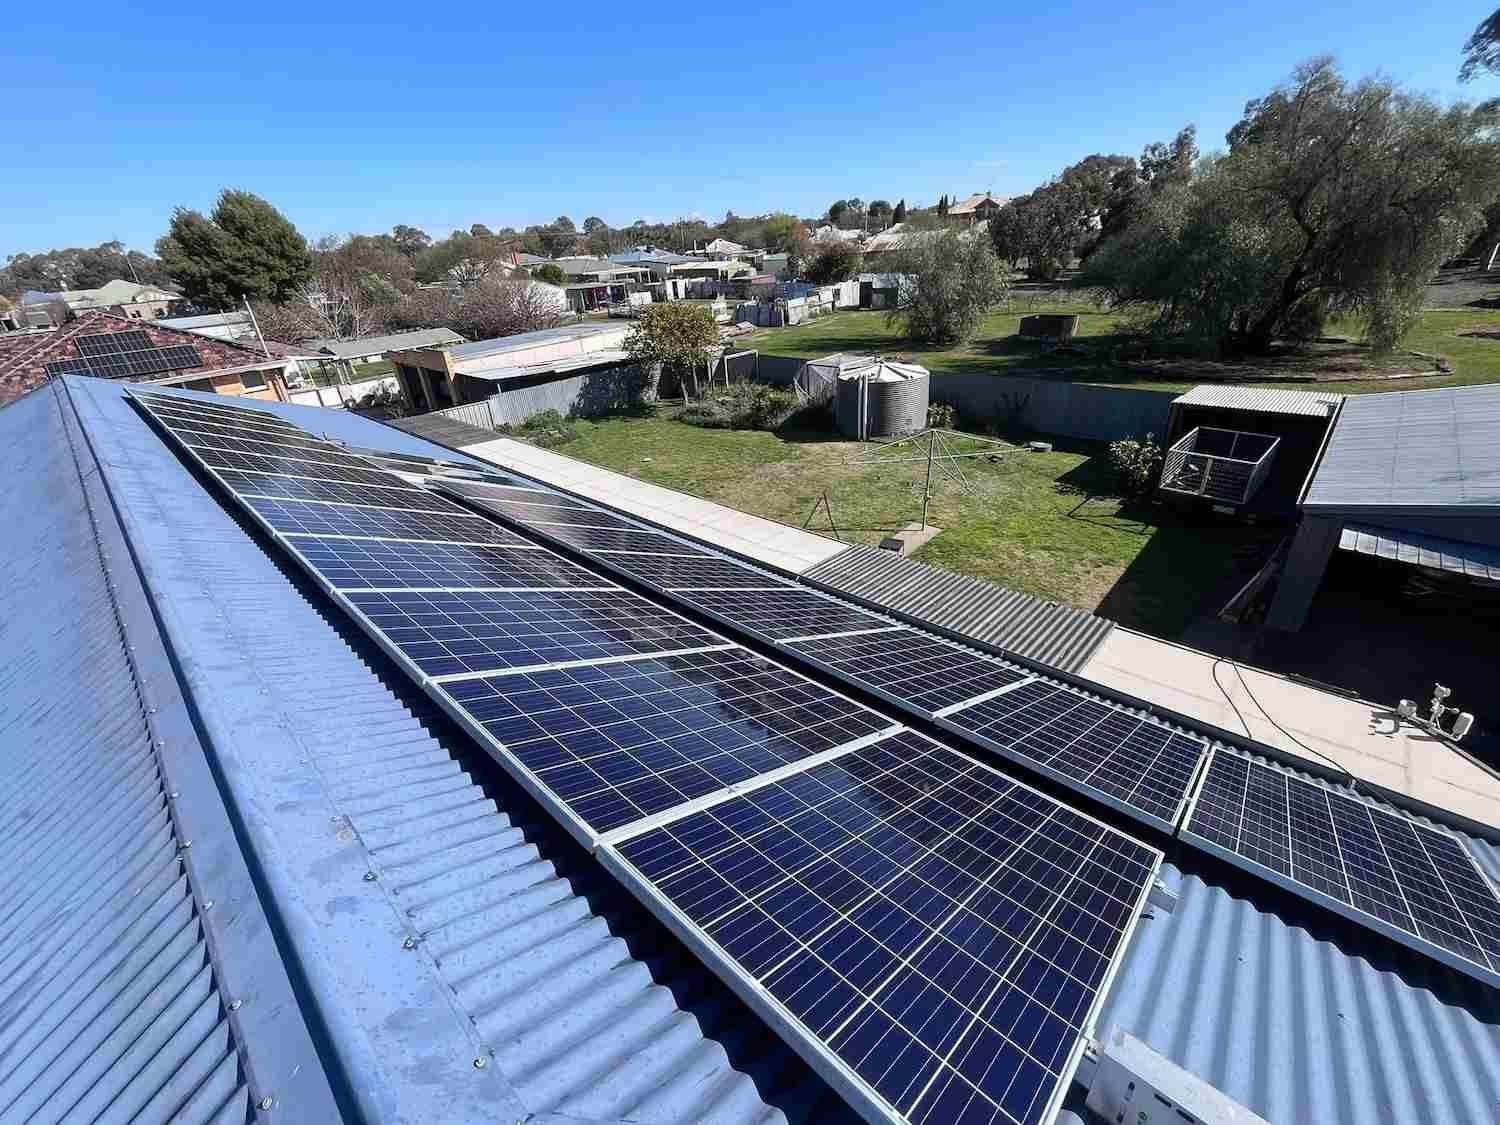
point(1410, 880)
point(933, 934)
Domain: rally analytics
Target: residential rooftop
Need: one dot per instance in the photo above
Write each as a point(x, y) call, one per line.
point(354, 915)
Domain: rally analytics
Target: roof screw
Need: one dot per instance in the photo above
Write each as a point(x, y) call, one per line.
point(209, 905)
point(265, 1103)
point(479, 1062)
point(184, 845)
point(370, 876)
point(173, 794)
point(235, 1005)
point(409, 943)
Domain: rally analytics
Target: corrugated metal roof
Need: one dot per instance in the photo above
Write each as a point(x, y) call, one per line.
point(342, 767)
point(1301, 1015)
point(397, 341)
point(114, 988)
point(1469, 559)
point(523, 340)
point(1413, 450)
point(445, 431)
point(1049, 633)
point(605, 357)
point(1263, 400)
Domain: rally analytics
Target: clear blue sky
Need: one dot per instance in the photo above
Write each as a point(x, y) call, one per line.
point(354, 118)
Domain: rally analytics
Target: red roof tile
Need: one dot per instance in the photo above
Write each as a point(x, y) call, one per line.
point(24, 364)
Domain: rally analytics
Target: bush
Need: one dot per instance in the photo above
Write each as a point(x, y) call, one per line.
point(941, 416)
point(547, 429)
point(1136, 464)
point(742, 406)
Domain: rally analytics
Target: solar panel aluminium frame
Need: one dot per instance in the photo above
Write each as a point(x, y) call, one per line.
point(854, 1089)
point(951, 721)
point(1307, 891)
point(948, 720)
point(433, 688)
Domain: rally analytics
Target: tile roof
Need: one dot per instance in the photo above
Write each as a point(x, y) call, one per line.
point(25, 366)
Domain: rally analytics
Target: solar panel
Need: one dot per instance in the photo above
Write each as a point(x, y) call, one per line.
point(245, 422)
point(614, 743)
point(618, 539)
point(247, 439)
point(269, 445)
point(205, 408)
point(374, 564)
point(107, 343)
point(784, 612)
point(456, 633)
point(970, 925)
point(151, 361)
point(910, 667)
point(1105, 750)
point(310, 518)
point(1411, 881)
point(677, 572)
point(937, 937)
point(69, 367)
point(304, 488)
point(448, 634)
point(291, 466)
point(1122, 757)
point(531, 507)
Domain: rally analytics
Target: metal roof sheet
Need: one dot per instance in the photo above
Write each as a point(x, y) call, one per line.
point(341, 767)
point(1471, 559)
point(1047, 632)
point(396, 341)
point(138, 978)
point(1297, 1013)
point(1413, 449)
point(524, 340)
point(1263, 400)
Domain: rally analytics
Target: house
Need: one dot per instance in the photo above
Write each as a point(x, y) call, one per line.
point(829, 233)
point(719, 269)
point(326, 896)
point(113, 346)
point(436, 377)
point(658, 262)
point(980, 206)
point(130, 299)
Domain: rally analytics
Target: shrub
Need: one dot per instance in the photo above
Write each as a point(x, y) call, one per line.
point(942, 416)
point(1136, 463)
point(742, 406)
point(547, 429)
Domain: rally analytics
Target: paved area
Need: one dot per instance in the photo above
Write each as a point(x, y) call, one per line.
point(1361, 737)
point(789, 548)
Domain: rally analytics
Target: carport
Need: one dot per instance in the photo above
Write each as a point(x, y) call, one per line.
point(1412, 478)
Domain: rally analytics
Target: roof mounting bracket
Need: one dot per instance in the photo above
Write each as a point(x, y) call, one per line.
point(1162, 897)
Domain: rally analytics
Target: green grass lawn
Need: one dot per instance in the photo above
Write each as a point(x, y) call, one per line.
point(997, 350)
point(1046, 524)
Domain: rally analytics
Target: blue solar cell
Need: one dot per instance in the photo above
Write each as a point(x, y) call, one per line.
point(358, 564)
point(915, 668)
point(783, 613)
point(941, 929)
point(308, 518)
point(352, 473)
point(451, 633)
point(617, 742)
point(1097, 747)
point(1378, 865)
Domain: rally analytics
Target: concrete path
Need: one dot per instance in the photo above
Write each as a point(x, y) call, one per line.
point(1361, 737)
point(789, 548)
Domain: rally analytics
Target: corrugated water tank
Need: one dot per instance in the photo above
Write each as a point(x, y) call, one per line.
point(881, 400)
